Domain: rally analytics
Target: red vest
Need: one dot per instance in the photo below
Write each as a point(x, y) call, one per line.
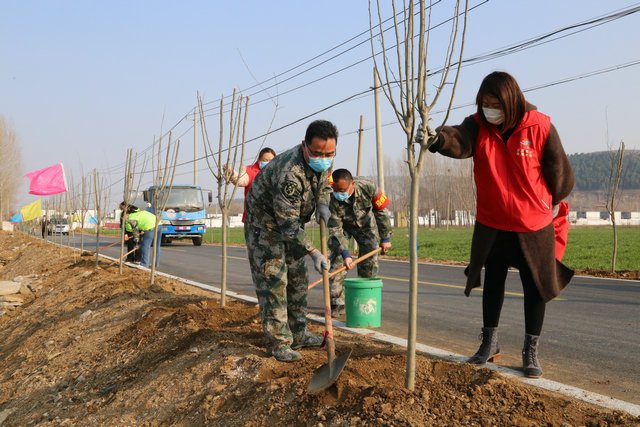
point(512, 192)
point(251, 171)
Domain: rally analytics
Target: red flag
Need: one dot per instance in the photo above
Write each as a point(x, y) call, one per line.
point(47, 181)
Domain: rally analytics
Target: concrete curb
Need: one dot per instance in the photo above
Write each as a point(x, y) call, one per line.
point(567, 390)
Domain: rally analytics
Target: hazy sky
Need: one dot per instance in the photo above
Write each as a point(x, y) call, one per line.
point(83, 81)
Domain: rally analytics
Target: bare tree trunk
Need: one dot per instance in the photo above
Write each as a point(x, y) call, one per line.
point(223, 270)
point(612, 193)
point(222, 171)
point(163, 181)
point(413, 281)
point(96, 198)
point(405, 87)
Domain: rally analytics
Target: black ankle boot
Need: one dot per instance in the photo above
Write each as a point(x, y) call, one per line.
point(530, 363)
point(489, 350)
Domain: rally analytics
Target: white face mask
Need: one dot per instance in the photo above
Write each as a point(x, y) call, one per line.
point(493, 115)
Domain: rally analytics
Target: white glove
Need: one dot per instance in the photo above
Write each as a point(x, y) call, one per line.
point(319, 261)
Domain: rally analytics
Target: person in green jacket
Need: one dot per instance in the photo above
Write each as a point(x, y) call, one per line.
point(145, 223)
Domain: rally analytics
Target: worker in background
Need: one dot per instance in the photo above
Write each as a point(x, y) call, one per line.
point(246, 176)
point(131, 239)
point(358, 210)
point(143, 222)
point(282, 199)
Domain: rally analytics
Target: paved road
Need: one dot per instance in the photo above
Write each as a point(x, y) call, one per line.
point(590, 339)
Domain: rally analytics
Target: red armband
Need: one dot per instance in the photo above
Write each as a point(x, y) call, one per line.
point(380, 201)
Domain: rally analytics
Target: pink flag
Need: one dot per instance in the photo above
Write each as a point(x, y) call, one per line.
point(47, 181)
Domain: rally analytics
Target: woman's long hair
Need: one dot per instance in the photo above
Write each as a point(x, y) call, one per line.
point(505, 88)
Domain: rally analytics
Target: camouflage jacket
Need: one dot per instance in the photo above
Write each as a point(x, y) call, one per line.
point(283, 197)
point(364, 212)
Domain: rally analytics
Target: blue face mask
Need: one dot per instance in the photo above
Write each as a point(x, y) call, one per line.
point(320, 164)
point(262, 164)
point(341, 196)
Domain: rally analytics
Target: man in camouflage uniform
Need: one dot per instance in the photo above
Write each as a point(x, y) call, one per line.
point(282, 199)
point(358, 211)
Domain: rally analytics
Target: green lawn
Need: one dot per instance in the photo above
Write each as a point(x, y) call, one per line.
point(588, 248)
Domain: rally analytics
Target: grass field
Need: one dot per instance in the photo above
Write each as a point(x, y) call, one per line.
point(588, 247)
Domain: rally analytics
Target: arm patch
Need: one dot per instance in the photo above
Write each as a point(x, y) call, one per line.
point(380, 201)
point(290, 189)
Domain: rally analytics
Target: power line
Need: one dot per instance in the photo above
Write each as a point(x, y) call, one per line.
point(516, 47)
point(265, 89)
point(531, 89)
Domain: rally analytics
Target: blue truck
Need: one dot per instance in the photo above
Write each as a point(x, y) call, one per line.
point(184, 213)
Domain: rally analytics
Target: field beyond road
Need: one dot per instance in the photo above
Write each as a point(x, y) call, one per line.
point(589, 249)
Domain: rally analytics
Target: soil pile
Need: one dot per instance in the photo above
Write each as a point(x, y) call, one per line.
point(93, 347)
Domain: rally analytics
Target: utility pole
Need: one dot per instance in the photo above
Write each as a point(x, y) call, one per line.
point(376, 82)
point(360, 137)
point(195, 147)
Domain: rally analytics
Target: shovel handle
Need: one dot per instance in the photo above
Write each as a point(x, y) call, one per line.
point(326, 293)
point(343, 268)
point(123, 256)
point(108, 246)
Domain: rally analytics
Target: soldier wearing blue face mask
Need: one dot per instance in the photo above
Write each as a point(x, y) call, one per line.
point(282, 199)
point(358, 210)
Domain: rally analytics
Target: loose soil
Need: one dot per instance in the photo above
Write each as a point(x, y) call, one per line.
point(93, 347)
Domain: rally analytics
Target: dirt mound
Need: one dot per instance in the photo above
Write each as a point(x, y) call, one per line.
point(94, 347)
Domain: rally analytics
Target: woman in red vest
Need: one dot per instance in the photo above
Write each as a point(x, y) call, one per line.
point(522, 174)
point(246, 175)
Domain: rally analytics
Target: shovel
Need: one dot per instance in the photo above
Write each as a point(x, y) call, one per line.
point(343, 268)
point(327, 374)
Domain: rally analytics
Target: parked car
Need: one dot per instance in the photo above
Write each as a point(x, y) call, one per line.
point(58, 226)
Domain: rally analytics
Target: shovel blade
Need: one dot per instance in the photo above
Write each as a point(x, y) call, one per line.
point(327, 374)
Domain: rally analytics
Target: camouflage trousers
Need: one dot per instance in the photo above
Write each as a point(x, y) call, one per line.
point(281, 283)
point(367, 241)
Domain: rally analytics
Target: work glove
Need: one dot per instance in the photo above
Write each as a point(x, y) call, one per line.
point(419, 136)
point(319, 261)
point(322, 211)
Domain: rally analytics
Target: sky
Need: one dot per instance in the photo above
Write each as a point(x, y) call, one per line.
point(82, 82)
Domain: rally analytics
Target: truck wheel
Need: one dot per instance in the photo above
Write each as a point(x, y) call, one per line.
point(197, 241)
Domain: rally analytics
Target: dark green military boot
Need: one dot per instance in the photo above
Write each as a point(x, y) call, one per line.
point(489, 350)
point(307, 340)
point(530, 363)
point(284, 353)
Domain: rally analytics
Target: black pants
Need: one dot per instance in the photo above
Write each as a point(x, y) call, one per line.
point(131, 245)
point(505, 253)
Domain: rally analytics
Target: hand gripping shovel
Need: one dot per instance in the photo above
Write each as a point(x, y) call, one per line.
point(327, 374)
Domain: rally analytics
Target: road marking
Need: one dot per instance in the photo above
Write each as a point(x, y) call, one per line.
point(445, 285)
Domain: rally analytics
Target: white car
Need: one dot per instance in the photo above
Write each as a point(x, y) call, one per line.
point(59, 227)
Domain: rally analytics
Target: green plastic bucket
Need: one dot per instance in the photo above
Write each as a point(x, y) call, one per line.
point(363, 302)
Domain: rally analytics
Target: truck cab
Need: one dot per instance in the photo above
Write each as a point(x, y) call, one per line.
point(184, 213)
